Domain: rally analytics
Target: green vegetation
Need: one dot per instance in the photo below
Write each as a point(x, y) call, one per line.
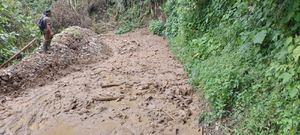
point(18, 24)
point(157, 27)
point(244, 55)
point(127, 13)
point(124, 28)
point(132, 14)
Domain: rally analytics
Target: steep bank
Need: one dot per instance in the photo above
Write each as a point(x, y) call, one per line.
point(244, 56)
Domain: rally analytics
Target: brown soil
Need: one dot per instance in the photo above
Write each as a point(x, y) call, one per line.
point(139, 89)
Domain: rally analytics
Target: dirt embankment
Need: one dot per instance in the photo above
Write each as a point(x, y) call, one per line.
point(138, 89)
point(74, 45)
point(81, 13)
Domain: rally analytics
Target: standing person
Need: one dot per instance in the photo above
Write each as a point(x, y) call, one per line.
point(46, 28)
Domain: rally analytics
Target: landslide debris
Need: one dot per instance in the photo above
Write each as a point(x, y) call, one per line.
point(141, 90)
point(74, 45)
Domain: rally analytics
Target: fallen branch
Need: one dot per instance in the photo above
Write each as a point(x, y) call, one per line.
point(169, 115)
point(107, 98)
point(111, 85)
point(14, 56)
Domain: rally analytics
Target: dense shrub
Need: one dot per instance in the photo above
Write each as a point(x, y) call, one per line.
point(17, 27)
point(134, 13)
point(244, 55)
point(157, 27)
point(129, 14)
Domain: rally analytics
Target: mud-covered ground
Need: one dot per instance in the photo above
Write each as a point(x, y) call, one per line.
point(141, 89)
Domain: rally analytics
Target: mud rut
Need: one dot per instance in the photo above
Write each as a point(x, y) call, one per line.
point(141, 89)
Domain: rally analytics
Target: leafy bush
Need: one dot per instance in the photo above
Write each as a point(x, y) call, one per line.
point(245, 57)
point(133, 14)
point(157, 27)
point(127, 13)
point(17, 25)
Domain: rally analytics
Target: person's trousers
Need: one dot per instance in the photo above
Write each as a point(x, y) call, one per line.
point(46, 45)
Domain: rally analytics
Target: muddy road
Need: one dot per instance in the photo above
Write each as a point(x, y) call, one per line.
point(141, 89)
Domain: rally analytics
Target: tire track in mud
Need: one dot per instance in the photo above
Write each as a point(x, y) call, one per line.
point(141, 89)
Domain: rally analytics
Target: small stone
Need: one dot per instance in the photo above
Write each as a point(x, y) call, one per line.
point(161, 120)
point(2, 132)
point(8, 99)
point(2, 82)
point(133, 98)
point(189, 100)
point(15, 83)
point(188, 112)
point(5, 78)
point(177, 131)
point(120, 99)
point(149, 98)
point(140, 119)
point(217, 128)
point(125, 108)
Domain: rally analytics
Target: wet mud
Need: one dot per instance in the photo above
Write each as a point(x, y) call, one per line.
point(140, 89)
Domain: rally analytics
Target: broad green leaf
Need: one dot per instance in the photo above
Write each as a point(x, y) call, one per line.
point(293, 92)
point(296, 53)
point(297, 40)
point(297, 17)
point(260, 37)
point(286, 77)
point(288, 41)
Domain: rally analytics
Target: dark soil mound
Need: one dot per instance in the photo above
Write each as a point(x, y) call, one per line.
point(74, 45)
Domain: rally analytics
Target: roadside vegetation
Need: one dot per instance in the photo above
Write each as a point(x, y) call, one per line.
point(244, 56)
